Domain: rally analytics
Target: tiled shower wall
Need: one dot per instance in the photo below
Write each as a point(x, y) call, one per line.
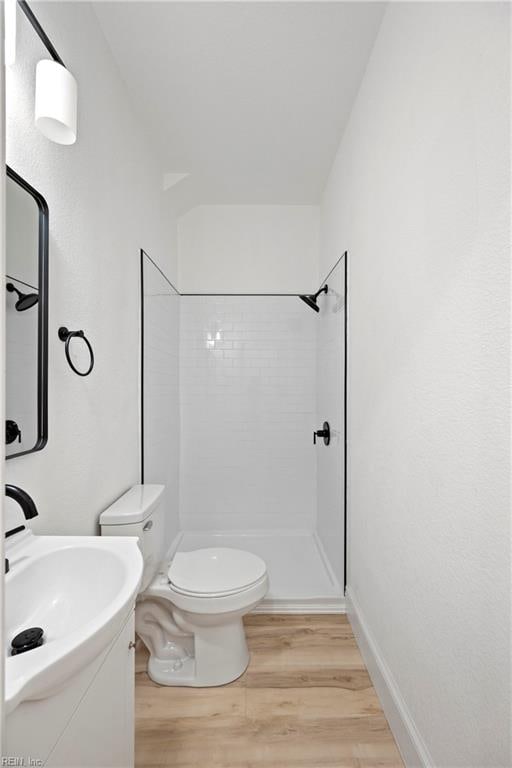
point(248, 410)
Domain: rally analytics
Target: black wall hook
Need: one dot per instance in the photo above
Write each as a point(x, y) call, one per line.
point(66, 336)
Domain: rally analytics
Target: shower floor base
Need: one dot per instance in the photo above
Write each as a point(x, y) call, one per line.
point(301, 579)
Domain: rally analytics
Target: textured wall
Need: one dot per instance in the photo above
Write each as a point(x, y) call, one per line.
point(248, 380)
point(420, 196)
point(104, 201)
point(249, 249)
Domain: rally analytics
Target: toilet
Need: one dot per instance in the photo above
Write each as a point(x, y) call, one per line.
point(189, 610)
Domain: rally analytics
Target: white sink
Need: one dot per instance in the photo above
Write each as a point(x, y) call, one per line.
point(80, 590)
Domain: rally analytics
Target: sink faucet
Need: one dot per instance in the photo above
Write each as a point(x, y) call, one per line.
point(26, 503)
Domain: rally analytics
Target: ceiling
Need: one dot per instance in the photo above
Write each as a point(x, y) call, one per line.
point(245, 102)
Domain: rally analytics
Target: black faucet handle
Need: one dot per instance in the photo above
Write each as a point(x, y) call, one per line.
point(23, 499)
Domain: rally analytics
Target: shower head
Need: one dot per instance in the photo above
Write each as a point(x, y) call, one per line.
point(311, 302)
point(25, 300)
point(311, 299)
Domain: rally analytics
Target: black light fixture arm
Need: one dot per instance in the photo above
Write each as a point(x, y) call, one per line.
point(29, 13)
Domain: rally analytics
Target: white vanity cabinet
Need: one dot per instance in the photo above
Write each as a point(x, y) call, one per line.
point(88, 722)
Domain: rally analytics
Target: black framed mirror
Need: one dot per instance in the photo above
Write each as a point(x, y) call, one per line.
point(26, 304)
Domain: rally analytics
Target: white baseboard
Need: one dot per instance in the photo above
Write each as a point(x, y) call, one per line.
point(290, 606)
point(412, 747)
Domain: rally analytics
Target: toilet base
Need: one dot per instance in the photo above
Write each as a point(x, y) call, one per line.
point(219, 656)
point(191, 649)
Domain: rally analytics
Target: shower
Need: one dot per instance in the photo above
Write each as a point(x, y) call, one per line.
point(310, 300)
point(25, 300)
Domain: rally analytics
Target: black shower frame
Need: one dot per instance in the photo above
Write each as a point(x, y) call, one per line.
point(344, 257)
point(42, 313)
point(143, 254)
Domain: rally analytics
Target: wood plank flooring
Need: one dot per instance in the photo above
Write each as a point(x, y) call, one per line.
point(306, 701)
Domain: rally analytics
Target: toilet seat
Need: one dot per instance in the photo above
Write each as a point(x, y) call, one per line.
point(211, 605)
point(215, 572)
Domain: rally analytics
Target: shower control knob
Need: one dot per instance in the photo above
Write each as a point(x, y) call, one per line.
point(325, 432)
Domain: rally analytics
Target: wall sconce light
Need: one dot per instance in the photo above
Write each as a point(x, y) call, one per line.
point(10, 32)
point(56, 102)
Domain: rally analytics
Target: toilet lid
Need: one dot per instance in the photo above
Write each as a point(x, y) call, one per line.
point(215, 571)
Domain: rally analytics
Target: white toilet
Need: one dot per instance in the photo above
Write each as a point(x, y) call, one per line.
point(189, 611)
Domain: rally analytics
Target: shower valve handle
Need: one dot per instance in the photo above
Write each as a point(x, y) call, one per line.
point(325, 433)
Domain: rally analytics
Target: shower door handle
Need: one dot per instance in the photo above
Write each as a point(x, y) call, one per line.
point(325, 433)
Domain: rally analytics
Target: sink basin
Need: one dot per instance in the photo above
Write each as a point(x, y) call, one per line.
point(80, 590)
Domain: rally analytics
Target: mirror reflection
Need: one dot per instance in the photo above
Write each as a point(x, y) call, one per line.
point(25, 394)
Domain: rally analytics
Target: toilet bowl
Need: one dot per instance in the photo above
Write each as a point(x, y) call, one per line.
point(189, 611)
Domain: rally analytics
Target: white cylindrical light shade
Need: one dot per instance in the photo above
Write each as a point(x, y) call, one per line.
point(56, 102)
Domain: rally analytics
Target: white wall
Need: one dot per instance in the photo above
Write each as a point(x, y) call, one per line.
point(161, 391)
point(248, 249)
point(247, 387)
point(330, 390)
point(420, 196)
point(105, 204)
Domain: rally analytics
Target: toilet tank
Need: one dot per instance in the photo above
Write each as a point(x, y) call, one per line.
point(139, 512)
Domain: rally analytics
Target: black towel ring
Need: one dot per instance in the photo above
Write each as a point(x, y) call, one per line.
point(65, 335)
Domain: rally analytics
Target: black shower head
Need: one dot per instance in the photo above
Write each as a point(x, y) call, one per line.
point(25, 300)
point(311, 300)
